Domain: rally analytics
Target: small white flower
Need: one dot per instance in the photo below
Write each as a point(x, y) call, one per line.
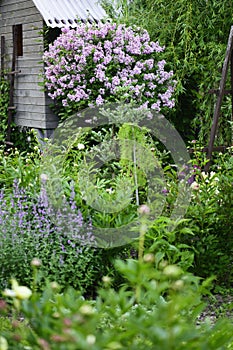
point(212, 174)
point(44, 177)
point(91, 339)
point(195, 186)
point(204, 175)
point(215, 180)
point(109, 190)
point(9, 293)
point(80, 146)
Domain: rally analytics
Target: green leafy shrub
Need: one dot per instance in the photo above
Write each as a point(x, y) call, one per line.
point(4, 102)
point(165, 242)
point(23, 167)
point(19, 136)
point(210, 218)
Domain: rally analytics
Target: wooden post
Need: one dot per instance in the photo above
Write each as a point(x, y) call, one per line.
point(219, 98)
point(11, 107)
point(231, 67)
point(2, 56)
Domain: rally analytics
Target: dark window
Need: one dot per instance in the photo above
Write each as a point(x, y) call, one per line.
point(50, 34)
point(18, 39)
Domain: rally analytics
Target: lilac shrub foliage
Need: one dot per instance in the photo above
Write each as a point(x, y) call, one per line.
point(90, 65)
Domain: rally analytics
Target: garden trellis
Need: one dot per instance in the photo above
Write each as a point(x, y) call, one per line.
point(220, 94)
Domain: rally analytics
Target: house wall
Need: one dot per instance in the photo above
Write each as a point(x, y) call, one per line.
point(29, 99)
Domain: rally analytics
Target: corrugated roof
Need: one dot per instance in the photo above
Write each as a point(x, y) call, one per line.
point(61, 13)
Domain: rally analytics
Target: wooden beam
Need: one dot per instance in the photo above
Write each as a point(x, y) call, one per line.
point(2, 55)
point(231, 68)
point(205, 149)
point(216, 91)
point(12, 81)
point(15, 72)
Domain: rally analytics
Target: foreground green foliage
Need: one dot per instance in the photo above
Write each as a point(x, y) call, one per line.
point(154, 309)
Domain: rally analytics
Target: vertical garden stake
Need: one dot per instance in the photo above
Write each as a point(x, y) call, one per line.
point(220, 94)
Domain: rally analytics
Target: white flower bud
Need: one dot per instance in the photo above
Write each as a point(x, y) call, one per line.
point(91, 339)
point(106, 279)
point(144, 209)
point(80, 146)
point(195, 186)
point(3, 343)
point(149, 258)
point(86, 309)
point(172, 271)
point(35, 262)
point(22, 292)
point(54, 285)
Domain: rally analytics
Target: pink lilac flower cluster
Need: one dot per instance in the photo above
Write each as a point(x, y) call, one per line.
point(89, 65)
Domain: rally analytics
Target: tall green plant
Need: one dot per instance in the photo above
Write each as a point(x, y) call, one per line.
point(22, 138)
point(4, 102)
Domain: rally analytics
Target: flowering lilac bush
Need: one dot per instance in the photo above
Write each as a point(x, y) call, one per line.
point(93, 64)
